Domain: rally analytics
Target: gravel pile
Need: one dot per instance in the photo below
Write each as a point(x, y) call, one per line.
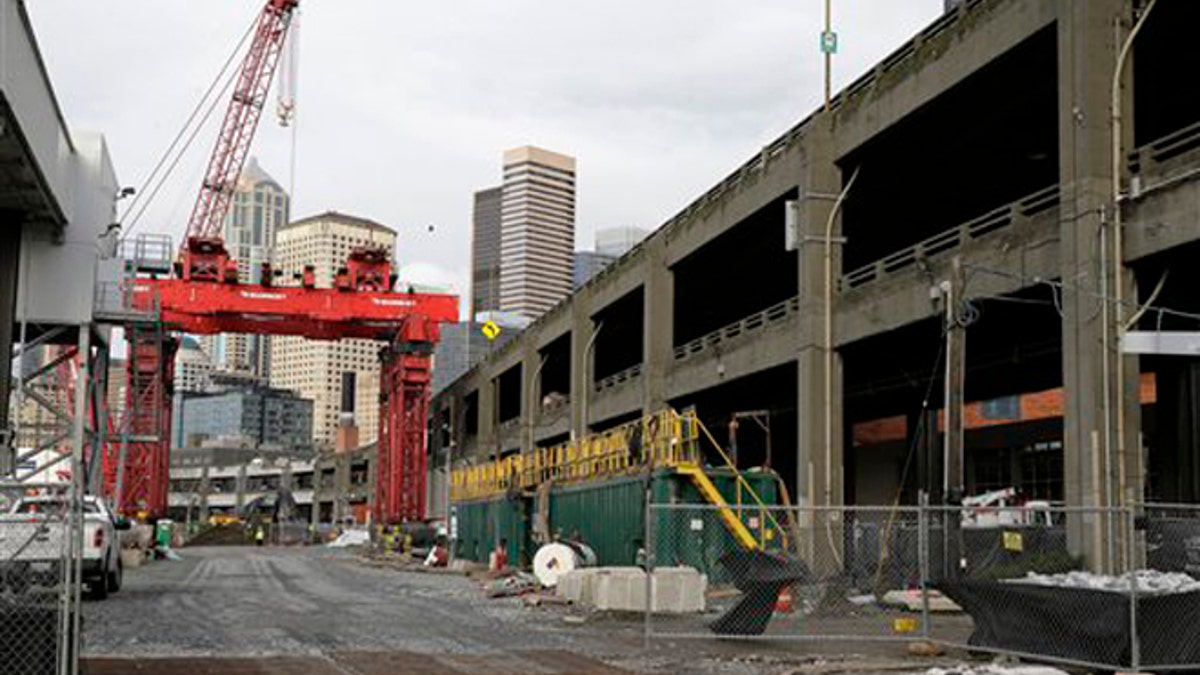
point(1149, 582)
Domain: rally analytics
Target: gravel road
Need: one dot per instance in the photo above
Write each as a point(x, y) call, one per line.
point(249, 601)
point(316, 602)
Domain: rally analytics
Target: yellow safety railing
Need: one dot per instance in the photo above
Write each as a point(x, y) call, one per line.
point(742, 485)
point(664, 439)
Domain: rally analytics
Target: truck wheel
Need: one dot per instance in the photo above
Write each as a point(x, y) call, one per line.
point(98, 588)
point(115, 578)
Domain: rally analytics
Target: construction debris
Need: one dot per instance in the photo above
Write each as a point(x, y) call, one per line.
point(351, 538)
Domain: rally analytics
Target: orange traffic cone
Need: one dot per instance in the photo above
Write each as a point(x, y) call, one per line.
point(783, 604)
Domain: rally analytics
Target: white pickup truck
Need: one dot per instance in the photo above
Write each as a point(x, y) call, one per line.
point(33, 545)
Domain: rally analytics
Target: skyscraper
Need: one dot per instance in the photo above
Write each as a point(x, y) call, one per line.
point(313, 368)
point(617, 241)
point(260, 206)
point(537, 230)
point(485, 252)
point(588, 264)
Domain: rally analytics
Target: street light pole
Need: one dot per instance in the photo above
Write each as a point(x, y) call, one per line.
point(532, 408)
point(587, 378)
point(833, 213)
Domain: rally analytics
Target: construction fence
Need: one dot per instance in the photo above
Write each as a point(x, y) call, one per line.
point(40, 583)
point(1107, 588)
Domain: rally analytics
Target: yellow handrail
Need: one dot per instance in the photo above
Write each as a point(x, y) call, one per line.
point(667, 438)
point(741, 481)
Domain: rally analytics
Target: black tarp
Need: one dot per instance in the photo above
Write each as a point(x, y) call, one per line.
point(760, 576)
point(1079, 624)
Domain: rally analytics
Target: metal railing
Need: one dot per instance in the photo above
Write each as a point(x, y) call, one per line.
point(620, 377)
point(1151, 157)
point(661, 440)
point(996, 220)
point(151, 253)
point(753, 323)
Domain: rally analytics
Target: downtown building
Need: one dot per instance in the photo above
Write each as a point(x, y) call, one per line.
point(313, 368)
point(259, 208)
point(537, 230)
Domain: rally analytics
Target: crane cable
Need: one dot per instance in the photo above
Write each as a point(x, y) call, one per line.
point(220, 77)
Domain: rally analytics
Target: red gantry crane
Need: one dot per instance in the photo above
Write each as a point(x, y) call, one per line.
point(204, 296)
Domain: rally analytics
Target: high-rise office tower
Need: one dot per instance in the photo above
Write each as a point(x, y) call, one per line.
point(260, 207)
point(617, 241)
point(313, 368)
point(537, 230)
point(485, 252)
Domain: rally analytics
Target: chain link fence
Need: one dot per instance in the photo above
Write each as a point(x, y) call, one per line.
point(1108, 589)
point(40, 583)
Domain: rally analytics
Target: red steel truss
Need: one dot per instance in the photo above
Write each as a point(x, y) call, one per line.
point(142, 483)
point(360, 305)
point(404, 403)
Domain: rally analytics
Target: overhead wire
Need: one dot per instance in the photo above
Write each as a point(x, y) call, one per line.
point(145, 198)
point(1063, 287)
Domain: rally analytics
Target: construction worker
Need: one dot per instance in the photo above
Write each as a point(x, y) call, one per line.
point(259, 536)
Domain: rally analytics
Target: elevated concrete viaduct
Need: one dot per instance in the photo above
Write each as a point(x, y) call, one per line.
point(987, 138)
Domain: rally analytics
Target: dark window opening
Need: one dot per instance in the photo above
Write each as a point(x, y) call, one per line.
point(508, 393)
point(1163, 60)
point(743, 271)
point(988, 141)
point(555, 379)
point(470, 414)
point(618, 346)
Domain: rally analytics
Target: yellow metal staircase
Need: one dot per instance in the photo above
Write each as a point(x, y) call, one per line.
point(703, 483)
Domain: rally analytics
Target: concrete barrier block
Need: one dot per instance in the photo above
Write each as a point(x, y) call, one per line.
point(620, 589)
point(577, 586)
point(678, 590)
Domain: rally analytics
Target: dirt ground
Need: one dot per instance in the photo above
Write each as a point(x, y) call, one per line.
point(235, 610)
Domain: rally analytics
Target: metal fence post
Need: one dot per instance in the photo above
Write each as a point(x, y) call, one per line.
point(1135, 645)
point(923, 561)
point(650, 557)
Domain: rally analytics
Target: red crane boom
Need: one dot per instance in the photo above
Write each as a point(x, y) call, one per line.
point(241, 120)
point(207, 297)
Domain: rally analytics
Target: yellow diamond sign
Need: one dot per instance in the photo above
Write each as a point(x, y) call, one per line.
point(490, 330)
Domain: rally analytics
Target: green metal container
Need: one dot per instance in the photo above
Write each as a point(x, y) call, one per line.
point(610, 517)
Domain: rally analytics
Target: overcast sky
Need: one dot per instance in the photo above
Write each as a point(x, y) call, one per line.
point(405, 107)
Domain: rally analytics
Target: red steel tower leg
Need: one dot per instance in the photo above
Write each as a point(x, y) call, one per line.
point(145, 432)
point(404, 402)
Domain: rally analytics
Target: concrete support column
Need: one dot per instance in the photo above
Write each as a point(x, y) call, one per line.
point(819, 473)
point(486, 439)
point(10, 256)
point(582, 330)
point(1087, 51)
point(658, 326)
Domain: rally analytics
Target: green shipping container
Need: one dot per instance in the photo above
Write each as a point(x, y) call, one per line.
point(609, 517)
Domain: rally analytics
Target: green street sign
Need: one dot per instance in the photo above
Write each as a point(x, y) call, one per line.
point(829, 42)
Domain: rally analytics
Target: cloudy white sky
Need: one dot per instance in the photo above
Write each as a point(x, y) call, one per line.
point(405, 107)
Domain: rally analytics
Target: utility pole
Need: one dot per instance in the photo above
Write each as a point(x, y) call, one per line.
point(828, 48)
point(956, 360)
